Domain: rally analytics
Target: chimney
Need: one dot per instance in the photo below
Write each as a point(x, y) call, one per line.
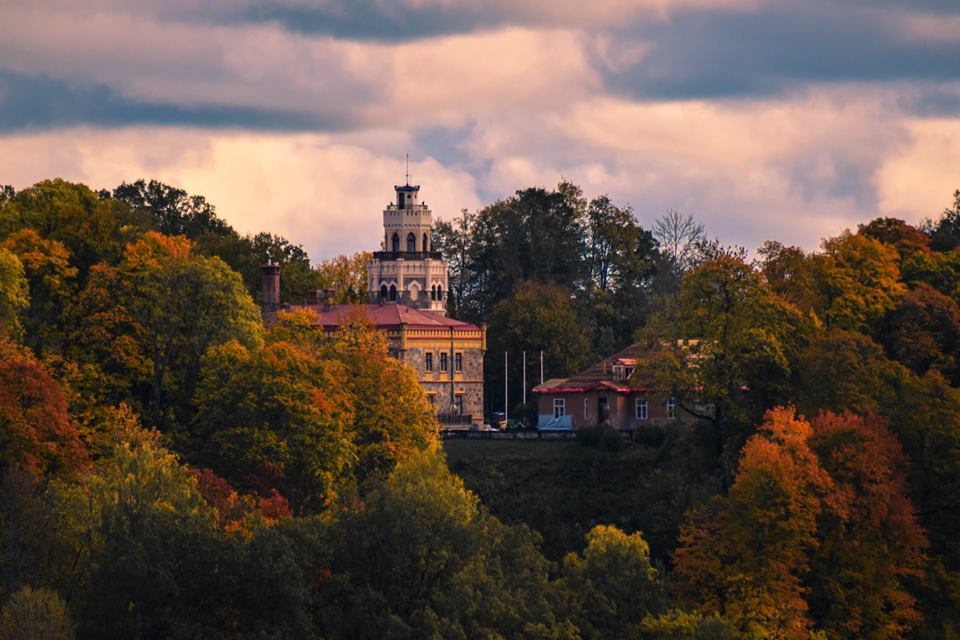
point(270, 285)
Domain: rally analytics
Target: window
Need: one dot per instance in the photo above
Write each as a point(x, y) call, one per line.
point(586, 409)
point(383, 292)
point(618, 372)
point(458, 405)
point(440, 292)
point(411, 242)
point(424, 248)
point(458, 362)
point(559, 407)
point(396, 243)
point(444, 365)
point(641, 409)
point(432, 399)
point(428, 362)
point(671, 408)
point(433, 292)
point(400, 199)
point(393, 292)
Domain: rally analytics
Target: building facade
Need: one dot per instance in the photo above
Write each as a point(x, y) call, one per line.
point(607, 392)
point(407, 270)
point(408, 288)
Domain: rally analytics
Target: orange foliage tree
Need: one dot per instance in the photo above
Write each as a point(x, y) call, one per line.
point(870, 547)
point(36, 432)
point(745, 556)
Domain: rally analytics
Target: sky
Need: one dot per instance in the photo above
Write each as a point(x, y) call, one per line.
point(764, 119)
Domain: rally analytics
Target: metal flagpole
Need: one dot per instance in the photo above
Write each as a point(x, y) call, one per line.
point(506, 404)
point(541, 367)
point(524, 378)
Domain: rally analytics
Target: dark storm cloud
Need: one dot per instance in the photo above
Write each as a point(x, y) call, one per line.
point(374, 20)
point(777, 49)
point(41, 102)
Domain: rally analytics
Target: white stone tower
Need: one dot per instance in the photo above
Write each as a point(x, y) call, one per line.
point(407, 271)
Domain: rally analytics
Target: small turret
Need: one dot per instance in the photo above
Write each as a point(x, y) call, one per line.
point(270, 286)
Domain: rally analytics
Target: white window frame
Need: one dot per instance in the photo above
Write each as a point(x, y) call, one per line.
point(458, 410)
point(559, 407)
point(618, 372)
point(671, 408)
point(641, 409)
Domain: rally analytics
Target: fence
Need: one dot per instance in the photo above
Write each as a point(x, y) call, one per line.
point(459, 434)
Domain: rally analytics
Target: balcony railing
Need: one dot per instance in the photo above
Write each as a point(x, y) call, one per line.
point(407, 255)
point(447, 419)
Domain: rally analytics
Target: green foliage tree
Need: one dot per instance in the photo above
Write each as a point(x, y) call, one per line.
point(90, 228)
point(14, 293)
point(142, 545)
point(923, 332)
point(537, 317)
point(612, 586)
point(35, 614)
point(276, 418)
point(860, 278)
point(166, 306)
point(422, 558)
point(51, 283)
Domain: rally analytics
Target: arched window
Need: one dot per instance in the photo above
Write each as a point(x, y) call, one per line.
point(440, 292)
point(425, 247)
point(393, 292)
point(433, 292)
point(383, 292)
point(411, 242)
point(396, 243)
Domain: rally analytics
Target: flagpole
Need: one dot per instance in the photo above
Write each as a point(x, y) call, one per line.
point(506, 392)
point(524, 378)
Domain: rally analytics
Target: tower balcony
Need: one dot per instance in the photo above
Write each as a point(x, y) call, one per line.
point(407, 255)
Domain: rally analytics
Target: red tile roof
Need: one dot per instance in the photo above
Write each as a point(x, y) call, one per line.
point(384, 316)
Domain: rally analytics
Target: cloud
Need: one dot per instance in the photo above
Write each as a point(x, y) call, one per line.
point(41, 102)
point(778, 48)
point(320, 192)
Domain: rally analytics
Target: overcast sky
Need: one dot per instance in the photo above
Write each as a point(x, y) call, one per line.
point(779, 119)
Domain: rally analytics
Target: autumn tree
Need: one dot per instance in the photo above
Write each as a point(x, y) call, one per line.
point(923, 332)
point(36, 432)
point(872, 546)
point(90, 228)
point(50, 278)
point(860, 278)
point(277, 418)
point(14, 293)
point(392, 419)
point(166, 306)
point(746, 555)
point(346, 276)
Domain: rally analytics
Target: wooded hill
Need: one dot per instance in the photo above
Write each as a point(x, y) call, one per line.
point(172, 469)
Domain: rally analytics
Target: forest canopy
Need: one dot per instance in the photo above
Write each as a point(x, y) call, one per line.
point(172, 468)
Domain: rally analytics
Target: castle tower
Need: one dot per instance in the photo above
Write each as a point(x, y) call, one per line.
point(407, 270)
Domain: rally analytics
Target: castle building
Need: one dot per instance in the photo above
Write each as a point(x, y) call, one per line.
point(408, 288)
point(407, 271)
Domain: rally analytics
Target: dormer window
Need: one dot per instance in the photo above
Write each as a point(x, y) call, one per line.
point(619, 372)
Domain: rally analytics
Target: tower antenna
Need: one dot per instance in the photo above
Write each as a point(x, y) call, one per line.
point(408, 169)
